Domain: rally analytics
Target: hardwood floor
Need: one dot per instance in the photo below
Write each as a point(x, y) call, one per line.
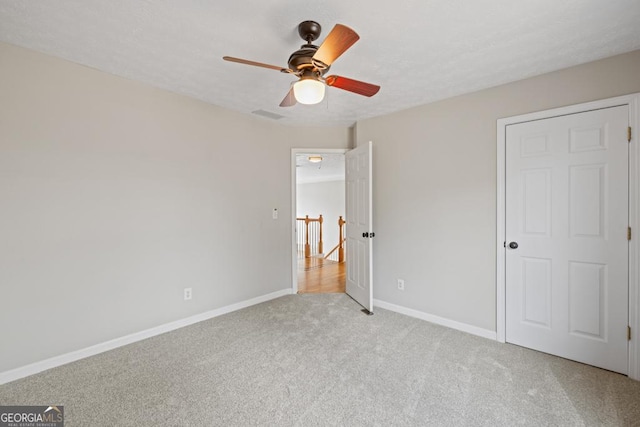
point(317, 275)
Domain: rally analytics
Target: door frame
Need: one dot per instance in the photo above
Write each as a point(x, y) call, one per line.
point(294, 243)
point(633, 102)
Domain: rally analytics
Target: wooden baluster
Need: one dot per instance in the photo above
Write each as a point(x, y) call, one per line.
point(320, 248)
point(307, 247)
point(299, 237)
point(341, 223)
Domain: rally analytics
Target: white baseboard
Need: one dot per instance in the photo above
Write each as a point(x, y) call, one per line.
point(63, 359)
point(470, 329)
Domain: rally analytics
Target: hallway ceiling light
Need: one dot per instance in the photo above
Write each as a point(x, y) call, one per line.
point(315, 159)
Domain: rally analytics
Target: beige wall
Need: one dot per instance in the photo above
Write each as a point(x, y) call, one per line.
point(435, 187)
point(116, 196)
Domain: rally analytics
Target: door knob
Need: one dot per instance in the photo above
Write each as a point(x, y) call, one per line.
point(513, 245)
point(365, 234)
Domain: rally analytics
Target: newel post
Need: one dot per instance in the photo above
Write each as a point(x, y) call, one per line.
point(341, 223)
point(320, 251)
point(307, 248)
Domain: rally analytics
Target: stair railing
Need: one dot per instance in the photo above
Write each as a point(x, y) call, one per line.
point(340, 246)
point(309, 236)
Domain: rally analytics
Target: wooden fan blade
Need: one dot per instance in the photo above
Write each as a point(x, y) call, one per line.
point(355, 86)
point(289, 100)
point(255, 64)
point(337, 42)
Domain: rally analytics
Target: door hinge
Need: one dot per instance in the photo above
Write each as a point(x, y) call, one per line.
point(628, 233)
point(628, 333)
point(629, 134)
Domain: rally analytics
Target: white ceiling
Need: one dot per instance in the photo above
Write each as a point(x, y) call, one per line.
point(418, 51)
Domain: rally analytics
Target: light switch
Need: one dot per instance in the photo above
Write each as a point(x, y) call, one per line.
point(275, 213)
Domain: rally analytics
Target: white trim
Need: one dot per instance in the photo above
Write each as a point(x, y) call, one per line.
point(634, 246)
point(500, 237)
point(63, 359)
point(294, 255)
point(464, 327)
point(633, 101)
point(314, 180)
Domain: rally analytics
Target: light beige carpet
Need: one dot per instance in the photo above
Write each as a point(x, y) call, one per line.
point(312, 360)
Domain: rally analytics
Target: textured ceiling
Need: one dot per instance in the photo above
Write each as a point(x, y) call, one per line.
point(418, 51)
point(331, 168)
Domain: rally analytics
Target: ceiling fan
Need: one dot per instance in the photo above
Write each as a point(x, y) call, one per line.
point(311, 62)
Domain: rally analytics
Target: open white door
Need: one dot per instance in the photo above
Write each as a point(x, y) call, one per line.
point(359, 225)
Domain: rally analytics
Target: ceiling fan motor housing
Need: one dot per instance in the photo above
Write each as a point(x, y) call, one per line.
point(301, 59)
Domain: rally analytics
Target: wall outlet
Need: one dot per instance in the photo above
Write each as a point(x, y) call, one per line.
point(400, 285)
point(187, 294)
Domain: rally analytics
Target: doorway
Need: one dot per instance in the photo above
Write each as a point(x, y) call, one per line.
point(566, 268)
point(318, 195)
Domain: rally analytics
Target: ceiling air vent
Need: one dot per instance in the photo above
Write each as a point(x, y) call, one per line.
point(267, 114)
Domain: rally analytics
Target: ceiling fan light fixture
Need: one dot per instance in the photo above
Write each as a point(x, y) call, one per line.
point(308, 91)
